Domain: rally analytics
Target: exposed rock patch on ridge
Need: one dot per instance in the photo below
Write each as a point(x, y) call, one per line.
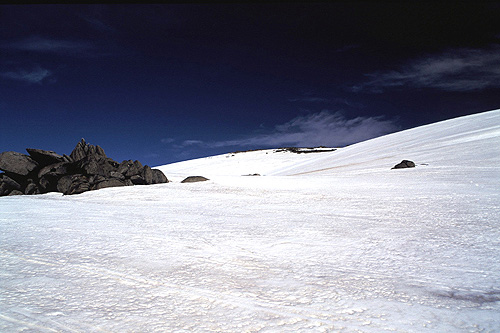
point(404, 164)
point(86, 168)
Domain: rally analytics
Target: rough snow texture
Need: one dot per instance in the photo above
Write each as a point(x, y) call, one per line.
point(334, 241)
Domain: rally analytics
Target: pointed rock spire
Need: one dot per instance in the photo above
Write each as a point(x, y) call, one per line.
point(83, 149)
point(79, 152)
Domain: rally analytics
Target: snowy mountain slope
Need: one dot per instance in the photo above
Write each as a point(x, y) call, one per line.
point(332, 241)
point(446, 144)
point(260, 162)
point(470, 141)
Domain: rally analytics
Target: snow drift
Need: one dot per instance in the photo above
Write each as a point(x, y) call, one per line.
point(333, 241)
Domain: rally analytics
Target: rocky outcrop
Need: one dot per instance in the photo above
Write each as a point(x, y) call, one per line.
point(17, 163)
point(194, 179)
point(44, 157)
point(86, 168)
point(404, 164)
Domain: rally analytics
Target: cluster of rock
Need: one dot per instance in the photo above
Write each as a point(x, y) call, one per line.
point(404, 164)
point(86, 168)
point(298, 150)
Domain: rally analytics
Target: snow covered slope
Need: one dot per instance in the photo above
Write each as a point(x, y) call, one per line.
point(459, 142)
point(332, 241)
point(262, 162)
point(466, 142)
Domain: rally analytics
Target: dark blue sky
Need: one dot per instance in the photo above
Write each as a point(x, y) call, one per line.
point(163, 83)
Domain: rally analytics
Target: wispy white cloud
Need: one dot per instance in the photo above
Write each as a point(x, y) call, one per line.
point(37, 75)
point(321, 100)
point(46, 45)
point(192, 143)
point(319, 129)
point(167, 140)
point(455, 70)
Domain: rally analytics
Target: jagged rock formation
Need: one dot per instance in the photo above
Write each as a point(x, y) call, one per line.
point(86, 168)
point(404, 164)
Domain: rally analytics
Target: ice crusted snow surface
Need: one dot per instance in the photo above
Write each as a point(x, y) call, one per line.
point(332, 241)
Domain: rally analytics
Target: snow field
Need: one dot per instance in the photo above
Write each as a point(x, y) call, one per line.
point(305, 247)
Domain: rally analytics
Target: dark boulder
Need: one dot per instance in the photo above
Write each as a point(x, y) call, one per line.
point(48, 177)
point(404, 164)
point(15, 192)
point(114, 182)
point(56, 169)
point(138, 180)
point(9, 182)
point(117, 175)
point(135, 169)
point(17, 163)
point(158, 177)
point(4, 189)
point(18, 178)
point(7, 185)
point(31, 188)
point(194, 179)
point(48, 183)
point(94, 179)
point(129, 168)
point(95, 165)
point(147, 174)
point(73, 184)
point(113, 163)
point(123, 167)
point(44, 157)
point(64, 183)
point(78, 185)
